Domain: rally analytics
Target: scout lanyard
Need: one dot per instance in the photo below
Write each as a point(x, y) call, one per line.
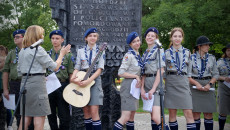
point(86, 56)
point(62, 66)
point(225, 62)
point(146, 58)
point(138, 58)
point(178, 67)
point(16, 52)
point(201, 72)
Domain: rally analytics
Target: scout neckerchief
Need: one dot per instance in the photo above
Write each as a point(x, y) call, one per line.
point(16, 53)
point(178, 67)
point(146, 57)
point(201, 72)
point(62, 66)
point(138, 58)
point(225, 62)
point(90, 57)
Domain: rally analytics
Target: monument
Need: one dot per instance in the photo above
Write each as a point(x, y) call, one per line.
point(114, 20)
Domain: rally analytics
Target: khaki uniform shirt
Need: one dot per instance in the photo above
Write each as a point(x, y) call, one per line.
point(210, 70)
point(66, 67)
point(81, 60)
point(170, 65)
point(222, 67)
point(41, 62)
point(129, 65)
point(11, 65)
point(152, 64)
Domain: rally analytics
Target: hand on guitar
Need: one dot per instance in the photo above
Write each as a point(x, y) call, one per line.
point(81, 83)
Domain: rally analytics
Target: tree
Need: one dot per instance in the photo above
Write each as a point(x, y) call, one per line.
point(196, 18)
point(20, 14)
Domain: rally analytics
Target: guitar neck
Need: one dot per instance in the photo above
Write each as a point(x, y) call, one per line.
point(92, 65)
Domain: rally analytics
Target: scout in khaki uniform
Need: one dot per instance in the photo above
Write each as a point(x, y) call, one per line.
point(223, 65)
point(203, 74)
point(10, 74)
point(59, 107)
point(178, 94)
point(151, 76)
point(37, 102)
point(130, 69)
point(85, 57)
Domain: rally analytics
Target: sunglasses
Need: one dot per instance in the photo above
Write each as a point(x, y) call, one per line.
point(17, 37)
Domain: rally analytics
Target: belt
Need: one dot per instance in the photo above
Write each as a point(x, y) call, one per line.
point(150, 75)
point(35, 74)
point(203, 78)
point(62, 80)
point(175, 73)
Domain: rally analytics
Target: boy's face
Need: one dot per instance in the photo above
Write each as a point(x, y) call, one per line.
point(57, 40)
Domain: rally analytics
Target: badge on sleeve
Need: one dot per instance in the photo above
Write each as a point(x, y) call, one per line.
point(15, 61)
point(126, 58)
point(62, 67)
point(163, 56)
point(72, 59)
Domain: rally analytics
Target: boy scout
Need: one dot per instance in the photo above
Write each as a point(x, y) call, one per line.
point(10, 74)
point(57, 103)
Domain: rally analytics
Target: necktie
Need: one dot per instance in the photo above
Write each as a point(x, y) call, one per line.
point(177, 59)
point(202, 65)
point(56, 56)
point(90, 56)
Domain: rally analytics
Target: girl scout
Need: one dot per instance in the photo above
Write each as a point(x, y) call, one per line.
point(130, 69)
point(84, 59)
point(203, 74)
point(223, 90)
point(151, 75)
point(37, 103)
point(178, 95)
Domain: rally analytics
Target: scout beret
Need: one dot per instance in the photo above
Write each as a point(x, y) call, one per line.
point(131, 37)
point(56, 32)
point(90, 30)
point(19, 31)
point(151, 29)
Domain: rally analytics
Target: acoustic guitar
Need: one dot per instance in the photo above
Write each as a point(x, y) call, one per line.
point(80, 96)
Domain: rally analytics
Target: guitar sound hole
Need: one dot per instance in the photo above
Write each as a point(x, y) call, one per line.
point(77, 92)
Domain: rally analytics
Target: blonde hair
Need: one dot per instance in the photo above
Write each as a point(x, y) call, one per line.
point(33, 34)
point(173, 31)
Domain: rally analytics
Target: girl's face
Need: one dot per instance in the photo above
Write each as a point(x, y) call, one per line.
point(204, 48)
point(227, 52)
point(150, 38)
point(92, 38)
point(177, 38)
point(136, 43)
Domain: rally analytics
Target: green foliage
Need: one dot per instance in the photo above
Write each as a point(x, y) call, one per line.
point(20, 14)
point(196, 18)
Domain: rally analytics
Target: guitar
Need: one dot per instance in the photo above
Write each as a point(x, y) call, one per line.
point(80, 96)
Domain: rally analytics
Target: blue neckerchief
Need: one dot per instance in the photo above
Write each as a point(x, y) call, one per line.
point(178, 67)
point(146, 58)
point(225, 62)
point(16, 53)
point(201, 72)
point(86, 56)
point(138, 58)
point(62, 66)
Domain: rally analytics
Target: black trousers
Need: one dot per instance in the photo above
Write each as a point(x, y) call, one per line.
point(15, 89)
point(59, 107)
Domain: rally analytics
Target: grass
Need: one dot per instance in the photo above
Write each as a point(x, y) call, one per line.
point(180, 112)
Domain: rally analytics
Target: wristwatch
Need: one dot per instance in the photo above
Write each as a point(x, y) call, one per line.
point(210, 84)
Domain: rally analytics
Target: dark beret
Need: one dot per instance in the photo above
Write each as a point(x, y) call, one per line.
point(19, 31)
point(56, 32)
point(131, 37)
point(90, 30)
point(151, 29)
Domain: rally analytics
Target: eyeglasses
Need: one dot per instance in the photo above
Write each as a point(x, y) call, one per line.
point(17, 37)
